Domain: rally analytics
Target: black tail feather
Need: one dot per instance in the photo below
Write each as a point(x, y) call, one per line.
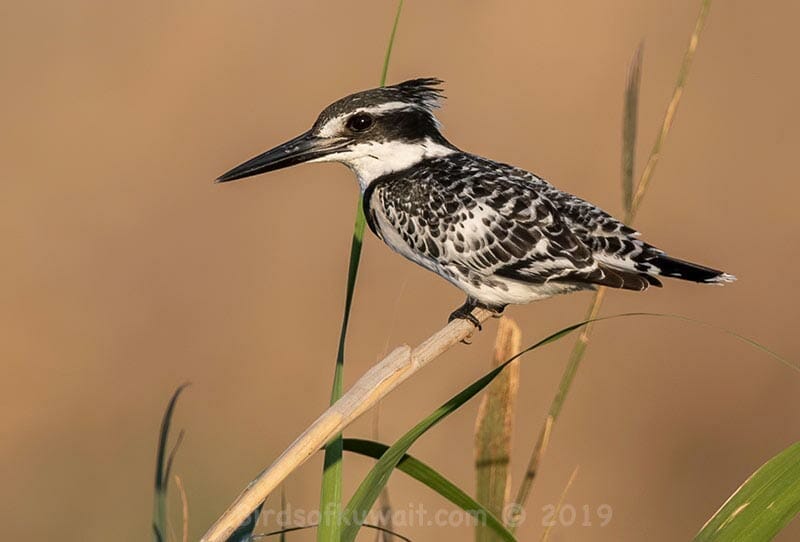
point(680, 269)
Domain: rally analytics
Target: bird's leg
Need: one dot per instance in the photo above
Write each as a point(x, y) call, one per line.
point(497, 312)
point(464, 312)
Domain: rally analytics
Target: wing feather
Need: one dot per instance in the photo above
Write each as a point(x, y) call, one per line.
point(467, 216)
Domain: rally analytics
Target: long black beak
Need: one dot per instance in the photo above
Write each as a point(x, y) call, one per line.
point(301, 149)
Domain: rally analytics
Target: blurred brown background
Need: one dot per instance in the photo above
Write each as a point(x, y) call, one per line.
point(126, 271)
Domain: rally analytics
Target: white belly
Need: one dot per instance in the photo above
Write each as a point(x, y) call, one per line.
point(494, 291)
point(504, 291)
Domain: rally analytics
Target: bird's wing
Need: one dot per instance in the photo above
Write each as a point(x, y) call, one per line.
point(513, 231)
point(532, 242)
point(481, 221)
point(610, 240)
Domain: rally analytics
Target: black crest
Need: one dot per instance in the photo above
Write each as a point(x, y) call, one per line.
point(424, 94)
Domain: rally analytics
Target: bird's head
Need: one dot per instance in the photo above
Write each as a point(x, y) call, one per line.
point(373, 132)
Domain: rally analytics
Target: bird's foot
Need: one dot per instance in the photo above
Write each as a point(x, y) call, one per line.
point(464, 312)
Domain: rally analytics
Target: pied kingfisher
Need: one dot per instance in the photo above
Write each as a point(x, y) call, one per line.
point(499, 233)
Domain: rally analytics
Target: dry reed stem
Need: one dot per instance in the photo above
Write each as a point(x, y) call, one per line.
point(184, 508)
point(494, 427)
point(375, 384)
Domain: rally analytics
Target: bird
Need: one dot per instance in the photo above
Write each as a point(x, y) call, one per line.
point(501, 234)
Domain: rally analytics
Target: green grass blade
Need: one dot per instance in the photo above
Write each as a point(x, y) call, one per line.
point(762, 506)
point(431, 478)
point(494, 428)
point(331, 495)
point(629, 125)
point(163, 465)
point(793, 365)
point(369, 489)
point(388, 57)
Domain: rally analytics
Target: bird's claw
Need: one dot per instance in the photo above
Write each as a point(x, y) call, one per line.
point(468, 316)
point(465, 313)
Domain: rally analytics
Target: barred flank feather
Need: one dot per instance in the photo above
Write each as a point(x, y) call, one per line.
point(617, 278)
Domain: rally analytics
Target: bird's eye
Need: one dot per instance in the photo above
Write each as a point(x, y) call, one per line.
point(359, 122)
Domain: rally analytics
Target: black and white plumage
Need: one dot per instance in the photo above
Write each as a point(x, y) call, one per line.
point(499, 233)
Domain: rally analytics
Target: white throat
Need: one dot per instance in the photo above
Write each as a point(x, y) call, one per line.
point(375, 159)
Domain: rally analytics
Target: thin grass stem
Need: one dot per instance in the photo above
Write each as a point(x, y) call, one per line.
point(581, 344)
point(331, 493)
point(549, 527)
point(672, 108)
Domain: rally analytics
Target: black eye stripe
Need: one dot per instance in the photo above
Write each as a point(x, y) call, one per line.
point(360, 122)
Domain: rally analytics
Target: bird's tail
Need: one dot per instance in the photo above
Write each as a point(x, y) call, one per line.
point(680, 269)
